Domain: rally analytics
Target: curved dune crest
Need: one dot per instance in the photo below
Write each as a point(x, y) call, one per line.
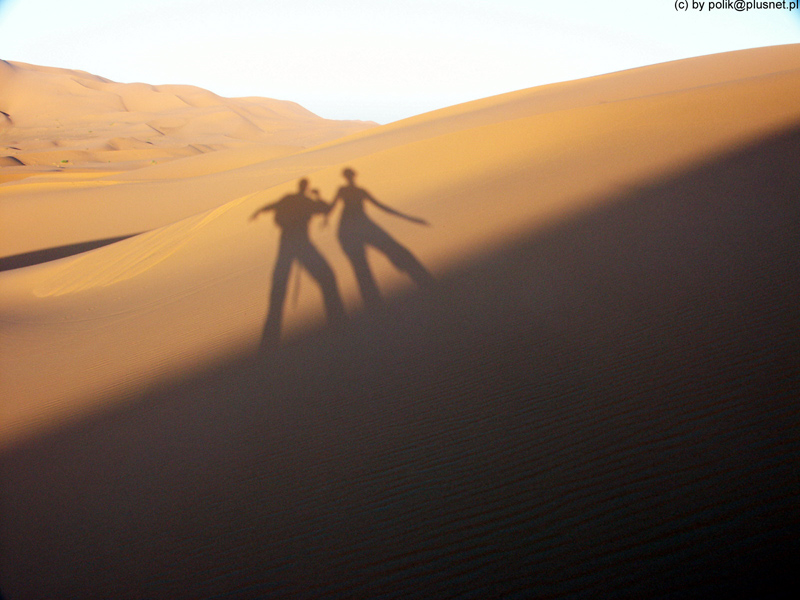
point(140, 97)
point(10, 161)
point(127, 259)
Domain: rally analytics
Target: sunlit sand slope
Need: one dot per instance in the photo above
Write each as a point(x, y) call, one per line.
point(597, 397)
point(122, 202)
point(480, 185)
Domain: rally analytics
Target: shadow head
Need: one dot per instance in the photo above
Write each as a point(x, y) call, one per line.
point(349, 174)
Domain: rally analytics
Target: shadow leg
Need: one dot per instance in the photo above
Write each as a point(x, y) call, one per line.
point(280, 280)
point(321, 271)
point(402, 258)
point(357, 253)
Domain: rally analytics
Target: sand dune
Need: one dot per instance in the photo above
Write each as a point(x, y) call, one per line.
point(78, 112)
point(596, 398)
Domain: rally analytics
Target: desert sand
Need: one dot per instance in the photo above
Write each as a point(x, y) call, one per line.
point(595, 398)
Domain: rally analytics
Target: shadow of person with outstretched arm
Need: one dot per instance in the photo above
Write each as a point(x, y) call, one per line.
point(356, 232)
point(293, 213)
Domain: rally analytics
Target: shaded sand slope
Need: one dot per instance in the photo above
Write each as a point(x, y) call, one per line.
point(604, 407)
point(112, 320)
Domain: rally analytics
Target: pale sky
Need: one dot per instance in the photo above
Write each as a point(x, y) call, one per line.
point(379, 60)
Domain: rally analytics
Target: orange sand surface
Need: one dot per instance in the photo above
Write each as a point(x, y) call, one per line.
point(617, 276)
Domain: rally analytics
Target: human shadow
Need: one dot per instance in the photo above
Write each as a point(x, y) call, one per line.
point(293, 213)
point(357, 231)
point(651, 452)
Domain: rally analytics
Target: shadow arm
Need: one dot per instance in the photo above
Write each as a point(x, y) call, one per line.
point(266, 208)
point(321, 205)
point(328, 206)
point(395, 212)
